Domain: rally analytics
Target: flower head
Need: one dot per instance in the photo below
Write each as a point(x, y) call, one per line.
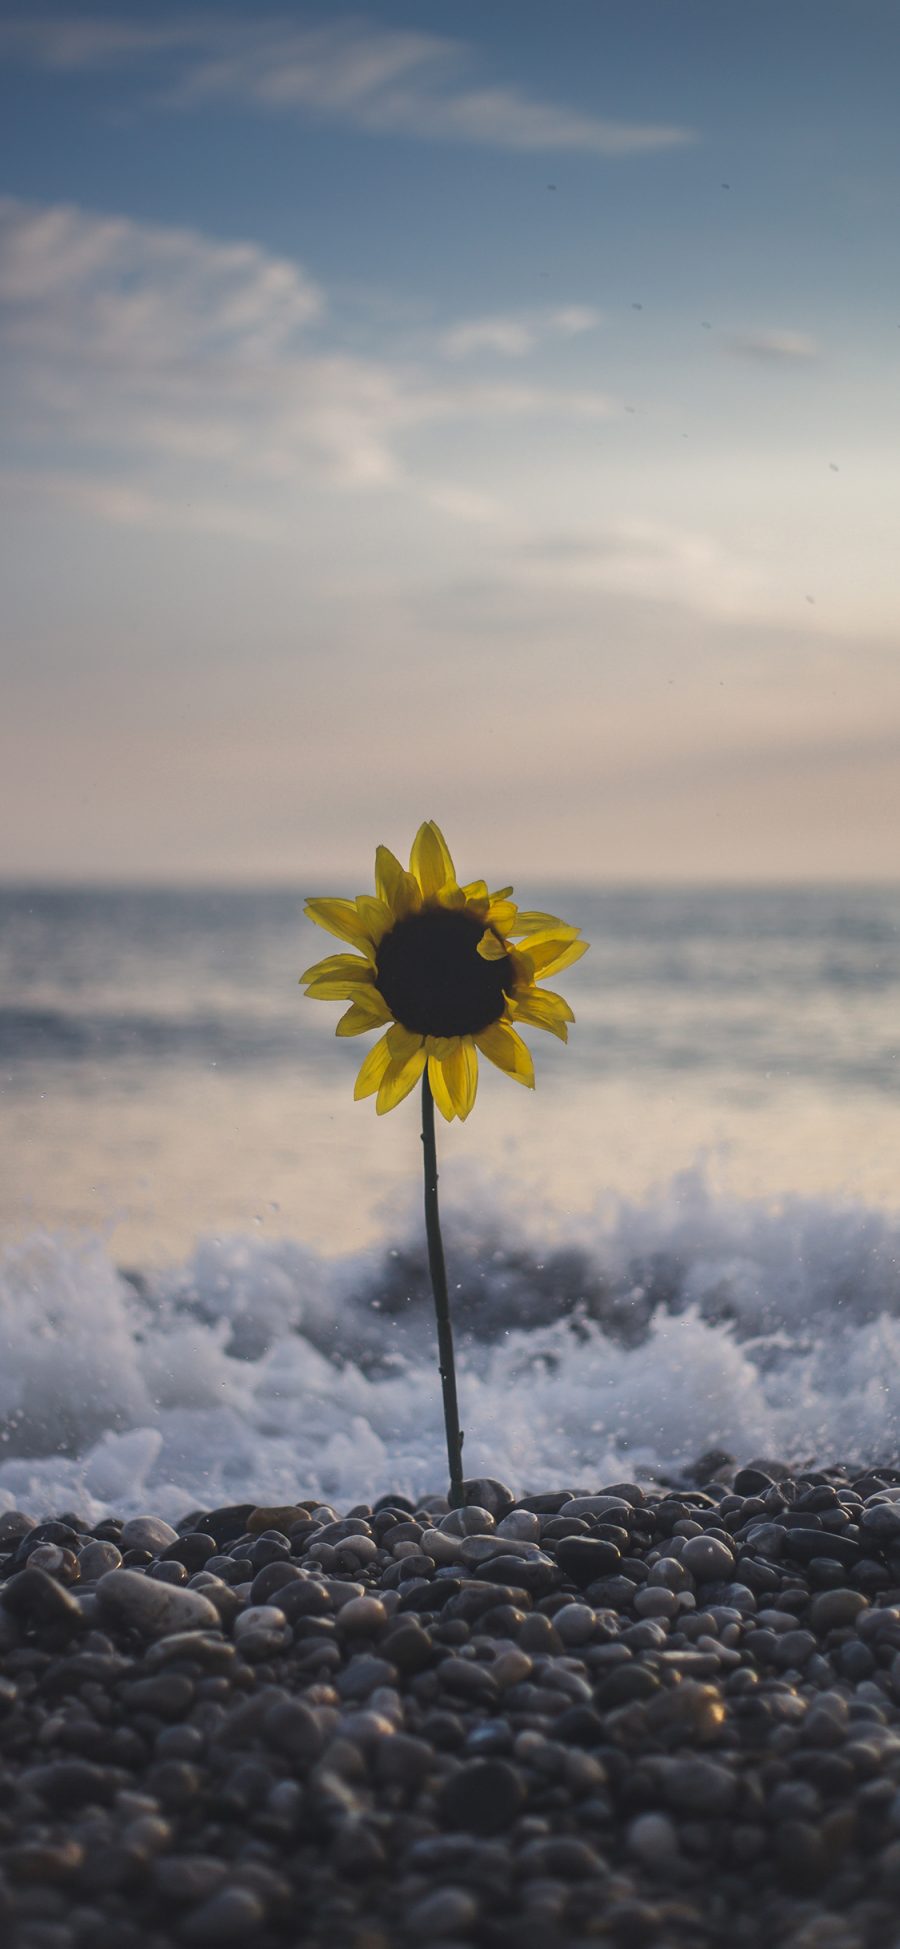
point(450, 968)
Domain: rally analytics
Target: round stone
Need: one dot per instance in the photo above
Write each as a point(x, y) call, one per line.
point(653, 1840)
point(835, 1608)
point(575, 1623)
point(147, 1533)
point(445, 1912)
point(482, 1796)
point(653, 1600)
point(521, 1524)
point(259, 1617)
point(586, 1558)
point(233, 1915)
point(95, 1559)
point(707, 1559)
point(155, 1609)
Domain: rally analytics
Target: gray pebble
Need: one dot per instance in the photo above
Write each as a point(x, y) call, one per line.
point(147, 1533)
point(833, 1608)
point(707, 1559)
point(153, 1608)
point(653, 1840)
point(522, 1524)
point(96, 1558)
point(442, 1912)
point(693, 1785)
point(470, 1521)
point(228, 1916)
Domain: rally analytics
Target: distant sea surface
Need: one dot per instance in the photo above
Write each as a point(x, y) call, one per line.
point(688, 1233)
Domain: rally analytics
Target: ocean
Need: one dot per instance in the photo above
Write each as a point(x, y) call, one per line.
point(212, 1284)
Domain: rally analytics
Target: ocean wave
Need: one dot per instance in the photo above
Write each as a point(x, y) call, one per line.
point(637, 1338)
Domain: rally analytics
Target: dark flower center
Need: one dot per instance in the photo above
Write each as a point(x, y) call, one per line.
point(433, 978)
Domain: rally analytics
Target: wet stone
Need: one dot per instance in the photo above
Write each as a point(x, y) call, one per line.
point(96, 1558)
point(693, 1785)
point(586, 1559)
point(707, 1559)
point(40, 1602)
point(229, 1916)
point(442, 1913)
point(487, 1493)
point(147, 1533)
point(153, 1608)
point(188, 1877)
point(483, 1796)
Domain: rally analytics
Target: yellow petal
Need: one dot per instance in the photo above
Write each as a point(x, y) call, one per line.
point(490, 948)
point(477, 897)
point(367, 1011)
point(503, 1046)
point(550, 957)
point(535, 923)
point(543, 1010)
point(375, 915)
point(502, 915)
point(341, 917)
point(502, 894)
point(340, 964)
point(430, 860)
point(399, 891)
point(337, 988)
point(398, 1079)
point(439, 1089)
point(439, 1045)
point(372, 1071)
point(403, 1042)
point(461, 1076)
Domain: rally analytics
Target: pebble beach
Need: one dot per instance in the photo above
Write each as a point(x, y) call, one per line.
point(626, 1714)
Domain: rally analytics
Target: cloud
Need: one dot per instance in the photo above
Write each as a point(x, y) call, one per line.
point(151, 361)
point(776, 347)
point(650, 561)
point(385, 80)
point(142, 292)
point(514, 336)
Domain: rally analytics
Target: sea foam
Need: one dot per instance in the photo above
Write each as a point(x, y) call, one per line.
point(621, 1343)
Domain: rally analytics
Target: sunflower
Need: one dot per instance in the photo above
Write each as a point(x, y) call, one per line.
point(451, 969)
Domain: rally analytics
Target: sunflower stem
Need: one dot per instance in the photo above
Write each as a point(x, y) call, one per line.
point(438, 1271)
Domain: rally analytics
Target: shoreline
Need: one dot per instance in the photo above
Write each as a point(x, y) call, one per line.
point(631, 1715)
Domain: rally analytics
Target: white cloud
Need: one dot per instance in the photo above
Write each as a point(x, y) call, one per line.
point(514, 336)
point(160, 364)
point(652, 561)
point(385, 80)
point(775, 347)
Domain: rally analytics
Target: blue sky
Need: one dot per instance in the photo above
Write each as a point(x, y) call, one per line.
point(487, 413)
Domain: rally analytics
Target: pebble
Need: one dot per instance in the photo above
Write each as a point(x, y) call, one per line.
point(226, 1917)
point(677, 1712)
point(835, 1608)
point(147, 1533)
point(153, 1608)
point(482, 1796)
point(707, 1559)
point(586, 1558)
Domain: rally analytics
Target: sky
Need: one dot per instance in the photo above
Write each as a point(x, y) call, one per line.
point(487, 414)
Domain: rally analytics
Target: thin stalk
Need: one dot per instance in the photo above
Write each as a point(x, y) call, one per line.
point(438, 1271)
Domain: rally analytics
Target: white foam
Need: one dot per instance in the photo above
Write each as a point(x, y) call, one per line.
point(262, 1371)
